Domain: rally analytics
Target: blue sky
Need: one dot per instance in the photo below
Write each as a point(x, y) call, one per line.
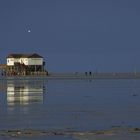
point(73, 35)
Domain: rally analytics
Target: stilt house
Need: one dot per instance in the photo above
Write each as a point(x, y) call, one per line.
point(25, 64)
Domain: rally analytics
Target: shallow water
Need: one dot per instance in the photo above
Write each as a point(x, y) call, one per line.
point(69, 105)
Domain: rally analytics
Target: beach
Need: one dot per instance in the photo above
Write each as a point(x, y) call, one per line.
point(69, 109)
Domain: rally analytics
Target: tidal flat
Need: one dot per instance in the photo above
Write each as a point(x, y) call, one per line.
point(67, 109)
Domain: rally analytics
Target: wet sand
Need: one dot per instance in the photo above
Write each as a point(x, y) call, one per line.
point(78, 75)
point(95, 75)
point(114, 133)
point(70, 109)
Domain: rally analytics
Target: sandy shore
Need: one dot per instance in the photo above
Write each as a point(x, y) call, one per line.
point(77, 75)
point(95, 75)
point(113, 133)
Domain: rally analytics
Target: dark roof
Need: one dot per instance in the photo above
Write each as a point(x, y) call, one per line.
point(34, 55)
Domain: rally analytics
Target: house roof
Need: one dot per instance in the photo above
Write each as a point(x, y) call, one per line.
point(34, 55)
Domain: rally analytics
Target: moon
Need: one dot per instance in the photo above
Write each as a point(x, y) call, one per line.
point(29, 31)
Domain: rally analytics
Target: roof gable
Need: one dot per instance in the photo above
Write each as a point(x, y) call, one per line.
point(34, 55)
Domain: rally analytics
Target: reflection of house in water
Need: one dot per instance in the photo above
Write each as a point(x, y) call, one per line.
point(25, 92)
